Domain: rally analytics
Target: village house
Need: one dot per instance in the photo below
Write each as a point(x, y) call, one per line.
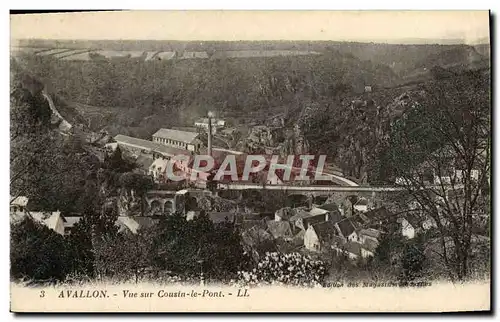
point(52, 220)
point(361, 205)
point(369, 235)
point(354, 250)
point(257, 241)
point(178, 139)
point(158, 169)
point(303, 218)
point(347, 230)
point(217, 124)
point(283, 214)
point(360, 220)
point(379, 217)
point(18, 204)
point(319, 236)
point(407, 229)
point(132, 224)
point(280, 229)
point(332, 210)
point(69, 223)
point(330, 207)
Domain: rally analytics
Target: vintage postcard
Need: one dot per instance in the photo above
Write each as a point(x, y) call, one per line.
point(250, 161)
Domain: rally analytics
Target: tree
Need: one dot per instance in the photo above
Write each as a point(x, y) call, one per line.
point(183, 246)
point(449, 134)
point(38, 253)
point(412, 262)
point(125, 256)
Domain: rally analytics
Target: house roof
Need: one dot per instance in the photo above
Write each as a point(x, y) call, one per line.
point(146, 222)
point(325, 231)
point(374, 233)
point(330, 206)
point(186, 128)
point(314, 220)
point(378, 214)
point(353, 248)
point(176, 135)
point(159, 163)
point(255, 235)
point(370, 245)
point(335, 217)
point(247, 224)
point(19, 201)
point(298, 239)
point(337, 241)
point(346, 227)
point(40, 216)
point(144, 161)
point(204, 120)
point(126, 223)
point(412, 219)
point(357, 221)
point(299, 214)
point(52, 221)
point(362, 202)
point(149, 145)
point(302, 213)
point(220, 217)
point(71, 221)
point(317, 211)
point(279, 229)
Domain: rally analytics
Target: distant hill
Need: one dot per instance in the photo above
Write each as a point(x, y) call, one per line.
point(466, 55)
point(400, 57)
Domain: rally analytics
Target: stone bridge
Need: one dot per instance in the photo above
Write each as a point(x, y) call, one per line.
point(162, 202)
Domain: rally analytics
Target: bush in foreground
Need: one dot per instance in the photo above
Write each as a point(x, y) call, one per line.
point(291, 269)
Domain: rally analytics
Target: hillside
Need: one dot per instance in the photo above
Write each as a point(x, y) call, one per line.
point(166, 93)
point(400, 57)
point(320, 97)
point(353, 132)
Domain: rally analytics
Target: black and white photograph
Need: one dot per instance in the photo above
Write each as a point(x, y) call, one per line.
point(250, 161)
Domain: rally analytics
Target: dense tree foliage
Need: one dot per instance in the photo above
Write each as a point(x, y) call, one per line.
point(38, 253)
point(447, 135)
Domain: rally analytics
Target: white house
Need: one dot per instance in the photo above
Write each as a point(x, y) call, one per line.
point(320, 236)
point(283, 214)
point(361, 205)
point(369, 234)
point(407, 230)
point(353, 250)
point(216, 124)
point(158, 169)
point(52, 220)
point(18, 204)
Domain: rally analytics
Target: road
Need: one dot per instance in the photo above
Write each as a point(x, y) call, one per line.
point(64, 125)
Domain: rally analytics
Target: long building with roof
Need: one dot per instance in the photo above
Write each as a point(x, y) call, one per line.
point(178, 139)
point(150, 147)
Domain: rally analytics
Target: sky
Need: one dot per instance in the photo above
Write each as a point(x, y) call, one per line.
point(376, 26)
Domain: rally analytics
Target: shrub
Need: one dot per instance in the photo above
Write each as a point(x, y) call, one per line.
point(37, 253)
point(284, 269)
